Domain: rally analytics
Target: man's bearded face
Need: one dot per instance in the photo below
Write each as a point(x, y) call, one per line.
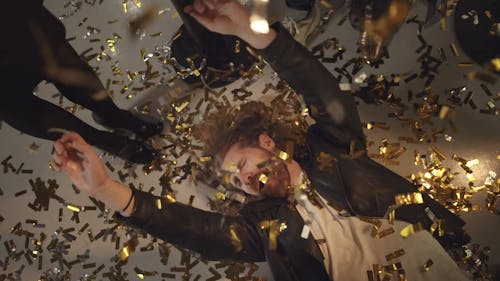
point(257, 171)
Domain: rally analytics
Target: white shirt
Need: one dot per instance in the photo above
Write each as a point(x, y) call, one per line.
point(351, 250)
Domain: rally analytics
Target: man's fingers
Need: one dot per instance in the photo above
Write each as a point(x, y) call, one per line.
point(59, 160)
point(57, 167)
point(72, 137)
point(76, 142)
point(199, 6)
point(59, 148)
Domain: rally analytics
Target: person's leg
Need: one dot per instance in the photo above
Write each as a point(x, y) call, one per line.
point(35, 116)
point(93, 96)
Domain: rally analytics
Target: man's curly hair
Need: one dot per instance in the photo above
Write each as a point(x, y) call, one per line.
point(243, 124)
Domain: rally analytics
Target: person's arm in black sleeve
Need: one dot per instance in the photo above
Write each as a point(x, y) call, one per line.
point(213, 235)
point(335, 112)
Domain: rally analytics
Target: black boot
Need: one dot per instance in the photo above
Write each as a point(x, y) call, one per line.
point(142, 126)
point(132, 150)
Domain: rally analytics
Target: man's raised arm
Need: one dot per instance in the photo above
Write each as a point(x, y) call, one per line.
point(335, 112)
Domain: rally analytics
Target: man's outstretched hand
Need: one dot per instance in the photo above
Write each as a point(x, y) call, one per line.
point(228, 17)
point(75, 157)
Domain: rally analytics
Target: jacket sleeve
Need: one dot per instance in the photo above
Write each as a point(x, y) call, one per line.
point(334, 112)
point(213, 235)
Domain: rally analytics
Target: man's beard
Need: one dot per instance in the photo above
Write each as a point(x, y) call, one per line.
point(278, 180)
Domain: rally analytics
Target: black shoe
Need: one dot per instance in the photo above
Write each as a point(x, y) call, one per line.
point(142, 126)
point(136, 152)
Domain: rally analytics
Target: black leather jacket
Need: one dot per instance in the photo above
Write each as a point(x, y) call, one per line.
point(359, 185)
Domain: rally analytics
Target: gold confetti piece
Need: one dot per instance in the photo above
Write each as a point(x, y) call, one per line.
point(409, 198)
point(157, 34)
point(472, 163)
point(73, 208)
point(263, 178)
point(220, 196)
point(442, 23)
point(385, 232)
point(216, 276)
point(89, 265)
point(444, 112)
point(34, 147)
point(495, 64)
point(438, 153)
point(128, 249)
point(170, 198)
point(427, 265)
point(283, 155)
point(235, 239)
point(411, 229)
point(392, 216)
point(454, 49)
point(109, 166)
point(17, 194)
point(158, 204)
point(481, 76)
point(470, 177)
point(465, 64)
point(395, 255)
point(376, 222)
point(205, 159)
point(283, 227)
point(273, 231)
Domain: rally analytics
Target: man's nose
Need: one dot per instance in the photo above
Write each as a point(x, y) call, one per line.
point(245, 177)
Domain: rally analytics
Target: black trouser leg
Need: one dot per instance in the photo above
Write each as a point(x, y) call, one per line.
point(35, 116)
point(79, 83)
